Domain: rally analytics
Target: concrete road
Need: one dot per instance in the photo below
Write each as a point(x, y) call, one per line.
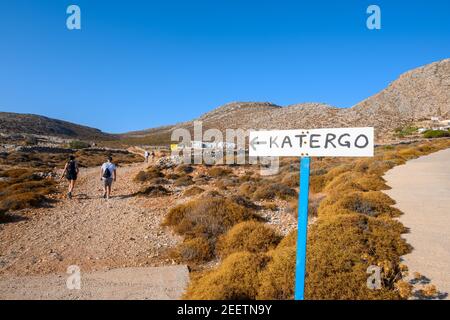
point(155, 283)
point(421, 189)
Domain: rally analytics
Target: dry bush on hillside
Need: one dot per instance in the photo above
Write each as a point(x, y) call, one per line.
point(291, 180)
point(196, 250)
point(248, 236)
point(207, 217)
point(277, 280)
point(21, 189)
point(355, 181)
point(372, 203)
point(244, 201)
point(154, 191)
point(183, 169)
point(272, 190)
point(247, 189)
point(193, 191)
point(149, 174)
point(235, 279)
point(156, 181)
point(217, 172)
point(340, 249)
point(183, 181)
point(172, 176)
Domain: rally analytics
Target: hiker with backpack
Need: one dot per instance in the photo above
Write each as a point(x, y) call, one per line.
point(71, 173)
point(108, 175)
point(146, 155)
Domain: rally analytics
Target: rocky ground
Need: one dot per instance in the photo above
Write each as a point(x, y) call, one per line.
point(89, 231)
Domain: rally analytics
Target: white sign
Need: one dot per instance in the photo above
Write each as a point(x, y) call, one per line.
point(336, 142)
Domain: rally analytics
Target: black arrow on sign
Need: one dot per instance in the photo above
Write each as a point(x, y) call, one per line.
point(255, 141)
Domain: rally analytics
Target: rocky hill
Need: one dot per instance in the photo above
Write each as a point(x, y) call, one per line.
point(15, 123)
point(417, 95)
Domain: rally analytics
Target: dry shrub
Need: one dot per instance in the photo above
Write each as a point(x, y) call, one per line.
point(372, 203)
point(404, 289)
point(291, 180)
point(22, 189)
point(355, 181)
point(289, 240)
point(408, 153)
point(429, 291)
point(184, 169)
point(207, 217)
point(154, 191)
point(21, 201)
point(216, 172)
point(235, 279)
point(149, 174)
point(277, 279)
point(247, 189)
point(196, 250)
point(317, 183)
point(270, 206)
point(248, 236)
point(341, 248)
point(270, 191)
point(245, 202)
point(172, 176)
point(193, 191)
point(183, 181)
point(159, 181)
point(226, 182)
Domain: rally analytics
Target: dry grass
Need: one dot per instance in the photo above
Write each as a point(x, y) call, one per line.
point(183, 181)
point(371, 203)
point(154, 191)
point(278, 279)
point(217, 172)
point(196, 250)
point(149, 174)
point(236, 279)
point(193, 191)
point(21, 189)
point(272, 190)
point(354, 230)
point(207, 217)
point(248, 236)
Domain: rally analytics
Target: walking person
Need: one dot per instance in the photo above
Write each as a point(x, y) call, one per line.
point(146, 155)
point(108, 175)
point(71, 173)
point(153, 156)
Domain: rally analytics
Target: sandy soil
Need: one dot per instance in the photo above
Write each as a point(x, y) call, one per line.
point(421, 189)
point(89, 231)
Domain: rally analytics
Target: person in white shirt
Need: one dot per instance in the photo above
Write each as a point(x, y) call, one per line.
point(108, 175)
point(146, 155)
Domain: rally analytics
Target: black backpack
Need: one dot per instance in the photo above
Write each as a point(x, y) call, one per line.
point(106, 174)
point(71, 169)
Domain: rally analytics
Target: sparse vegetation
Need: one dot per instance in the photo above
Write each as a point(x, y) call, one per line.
point(432, 134)
point(77, 144)
point(355, 229)
point(248, 236)
point(21, 189)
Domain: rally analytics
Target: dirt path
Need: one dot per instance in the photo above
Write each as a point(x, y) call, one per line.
point(89, 231)
point(421, 189)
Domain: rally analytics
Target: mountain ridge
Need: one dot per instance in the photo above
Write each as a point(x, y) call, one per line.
point(415, 95)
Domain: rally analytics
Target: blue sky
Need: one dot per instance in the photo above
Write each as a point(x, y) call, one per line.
point(140, 64)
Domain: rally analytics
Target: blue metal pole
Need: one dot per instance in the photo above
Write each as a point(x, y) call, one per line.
point(302, 228)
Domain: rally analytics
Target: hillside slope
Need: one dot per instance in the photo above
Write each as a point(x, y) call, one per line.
point(416, 95)
point(11, 123)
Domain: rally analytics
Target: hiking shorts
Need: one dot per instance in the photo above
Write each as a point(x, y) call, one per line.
point(71, 176)
point(107, 182)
